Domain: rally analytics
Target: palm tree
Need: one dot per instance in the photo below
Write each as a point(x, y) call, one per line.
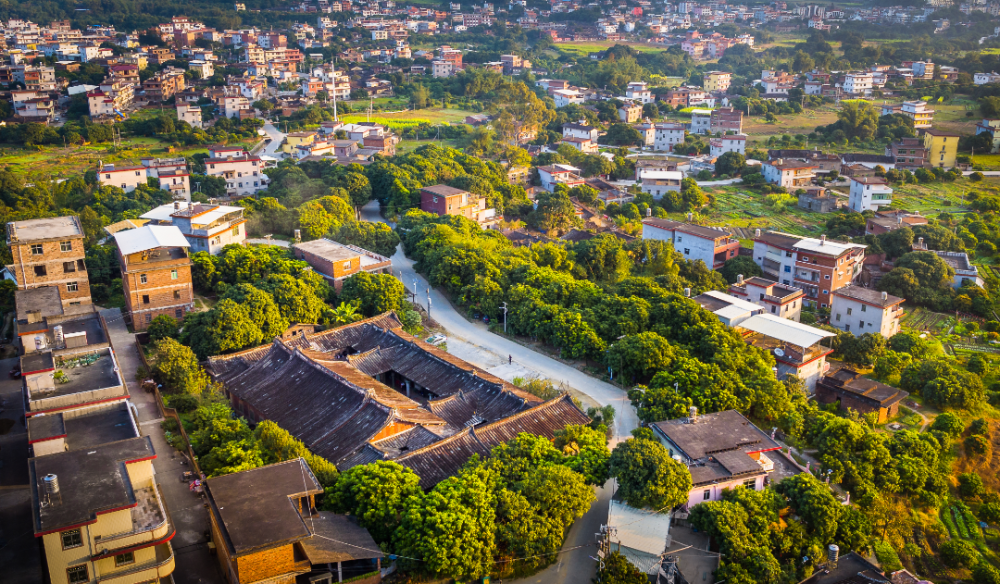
point(346, 313)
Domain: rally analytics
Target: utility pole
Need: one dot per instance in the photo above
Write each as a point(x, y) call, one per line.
point(504, 317)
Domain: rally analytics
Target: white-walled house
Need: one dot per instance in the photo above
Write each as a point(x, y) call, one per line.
point(731, 143)
point(127, 178)
point(667, 136)
point(580, 130)
point(860, 310)
point(701, 121)
point(661, 182)
point(694, 242)
point(869, 193)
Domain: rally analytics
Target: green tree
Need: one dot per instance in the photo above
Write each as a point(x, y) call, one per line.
point(278, 445)
point(623, 135)
point(231, 327)
point(585, 450)
point(261, 309)
point(452, 528)
point(647, 476)
point(814, 503)
point(162, 327)
point(376, 237)
point(639, 357)
point(557, 492)
point(177, 367)
point(375, 493)
point(948, 423)
point(956, 553)
point(730, 163)
point(740, 266)
point(555, 212)
point(858, 119)
point(618, 570)
point(374, 293)
point(297, 301)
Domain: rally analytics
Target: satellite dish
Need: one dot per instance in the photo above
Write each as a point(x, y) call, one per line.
point(779, 352)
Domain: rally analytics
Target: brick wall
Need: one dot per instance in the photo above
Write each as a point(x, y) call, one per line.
point(54, 261)
point(266, 564)
point(165, 294)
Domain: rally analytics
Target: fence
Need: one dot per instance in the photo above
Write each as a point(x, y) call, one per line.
point(169, 412)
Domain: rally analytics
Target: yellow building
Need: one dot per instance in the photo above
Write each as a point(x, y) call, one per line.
point(296, 139)
point(717, 81)
point(98, 511)
point(942, 147)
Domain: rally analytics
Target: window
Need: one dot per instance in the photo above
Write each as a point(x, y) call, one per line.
point(72, 286)
point(77, 574)
point(36, 249)
point(788, 254)
point(849, 311)
point(864, 308)
point(65, 246)
point(838, 317)
point(861, 324)
point(750, 483)
point(847, 327)
point(788, 269)
point(826, 277)
point(80, 265)
point(772, 310)
point(145, 298)
point(761, 296)
point(805, 259)
point(142, 278)
point(177, 294)
point(708, 494)
point(40, 271)
point(71, 539)
point(236, 230)
point(124, 559)
point(173, 274)
point(825, 292)
point(69, 267)
point(149, 317)
point(687, 251)
point(179, 313)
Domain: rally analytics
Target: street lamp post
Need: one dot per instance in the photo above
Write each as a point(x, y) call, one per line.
point(428, 303)
point(504, 317)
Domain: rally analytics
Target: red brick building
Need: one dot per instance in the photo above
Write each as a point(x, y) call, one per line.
point(337, 262)
point(49, 252)
point(156, 273)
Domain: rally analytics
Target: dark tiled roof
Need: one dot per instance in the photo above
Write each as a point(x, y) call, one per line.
point(714, 433)
point(444, 458)
point(443, 190)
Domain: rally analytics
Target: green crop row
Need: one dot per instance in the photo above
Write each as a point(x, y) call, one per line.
point(949, 523)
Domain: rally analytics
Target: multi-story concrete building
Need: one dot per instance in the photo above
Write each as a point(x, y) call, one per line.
point(661, 182)
point(915, 110)
point(726, 119)
point(244, 173)
point(190, 114)
point(717, 81)
point(667, 136)
point(156, 273)
point(49, 252)
point(711, 246)
point(580, 130)
point(127, 178)
point(942, 147)
point(991, 127)
point(858, 84)
point(869, 193)
point(444, 200)
point(98, 511)
point(777, 299)
point(163, 85)
point(336, 261)
point(556, 174)
point(630, 113)
point(638, 91)
point(207, 227)
point(909, 153)
point(233, 104)
point(790, 174)
point(863, 310)
point(701, 121)
point(817, 266)
point(728, 143)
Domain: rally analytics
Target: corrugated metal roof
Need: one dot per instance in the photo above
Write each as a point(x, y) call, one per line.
point(785, 330)
point(643, 530)
point(150, 237)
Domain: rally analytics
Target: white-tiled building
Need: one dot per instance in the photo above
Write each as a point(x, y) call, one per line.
point(732, 143)
point(869, 193)
point(860, 310)
point(667, 136)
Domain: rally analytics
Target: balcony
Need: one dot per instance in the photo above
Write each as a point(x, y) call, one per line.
point(149, 523)
point(160, 567)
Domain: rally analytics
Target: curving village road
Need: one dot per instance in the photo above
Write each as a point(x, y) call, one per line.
point(575, 563)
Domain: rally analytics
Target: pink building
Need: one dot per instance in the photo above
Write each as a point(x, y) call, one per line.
point(723, 451)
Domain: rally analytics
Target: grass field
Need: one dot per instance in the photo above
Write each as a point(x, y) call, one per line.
point(803, 123)
point(431, 116)
point(587, 47)
point(411, 145)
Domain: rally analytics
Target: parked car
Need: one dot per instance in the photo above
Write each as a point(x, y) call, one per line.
point(437, 339)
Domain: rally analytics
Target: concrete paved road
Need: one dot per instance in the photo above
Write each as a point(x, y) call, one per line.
point(575, 565)
point(276, 137)
point(193, 563)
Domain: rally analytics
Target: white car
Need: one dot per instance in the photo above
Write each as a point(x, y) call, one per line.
point(437, 339)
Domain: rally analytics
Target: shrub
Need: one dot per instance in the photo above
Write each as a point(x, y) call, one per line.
point(887, 556)
point(957, 553)
point(182, 402)
point(970, 485)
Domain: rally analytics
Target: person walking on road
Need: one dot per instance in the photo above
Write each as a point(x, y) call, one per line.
point(510, 359)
